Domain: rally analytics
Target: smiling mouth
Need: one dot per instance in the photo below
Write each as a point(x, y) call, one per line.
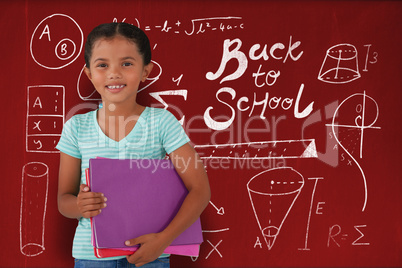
point(114, 87)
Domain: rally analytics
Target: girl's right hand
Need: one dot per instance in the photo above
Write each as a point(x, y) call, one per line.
point(90, 204)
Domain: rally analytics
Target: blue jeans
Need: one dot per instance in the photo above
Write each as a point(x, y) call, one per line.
point(121, 263)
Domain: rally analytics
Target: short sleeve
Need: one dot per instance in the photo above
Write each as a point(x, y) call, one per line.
point(172, 133)
point(68, 142)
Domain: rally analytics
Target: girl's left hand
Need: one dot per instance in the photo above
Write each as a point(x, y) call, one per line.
point(151, 247)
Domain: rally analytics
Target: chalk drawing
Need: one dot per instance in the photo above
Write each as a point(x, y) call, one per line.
point(338, 237)
point(359, 103)
point(58, 33)
point(272, 194)
point(259, 150)
point(219, 211)
point(214, 248)
point(215, 231)
point(197, 26)
point(374, 57)
point(177, 80)
point(310, 212)
point(115, 20)
point(200, 26)
point(340, 65)
point(157, 69)
point(85, 89)
point(330, 156)
point(45, 117)
point(179, 92)
point(34, 192)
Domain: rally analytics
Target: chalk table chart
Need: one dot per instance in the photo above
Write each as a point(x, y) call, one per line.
point(294, 107)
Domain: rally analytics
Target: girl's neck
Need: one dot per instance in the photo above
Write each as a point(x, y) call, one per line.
point(109, 110)
point(117, 121)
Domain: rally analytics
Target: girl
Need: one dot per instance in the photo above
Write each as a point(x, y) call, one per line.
point(118, 58)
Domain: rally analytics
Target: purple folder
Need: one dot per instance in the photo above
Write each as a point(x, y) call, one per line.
point(143, 196)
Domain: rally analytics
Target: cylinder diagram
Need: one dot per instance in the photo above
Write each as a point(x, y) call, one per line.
point(34, 192)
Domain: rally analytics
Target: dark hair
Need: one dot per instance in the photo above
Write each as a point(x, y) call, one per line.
point(110, 30)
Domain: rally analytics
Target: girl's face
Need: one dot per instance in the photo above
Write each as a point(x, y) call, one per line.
point(116, 70)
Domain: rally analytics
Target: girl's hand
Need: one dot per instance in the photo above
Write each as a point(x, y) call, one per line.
point(151, 247)
point(89, 203)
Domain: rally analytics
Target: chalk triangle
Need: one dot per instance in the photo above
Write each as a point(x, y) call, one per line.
point(311, 151)
point(270, 241)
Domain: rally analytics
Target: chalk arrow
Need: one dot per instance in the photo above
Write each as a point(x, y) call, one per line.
point(220, 211)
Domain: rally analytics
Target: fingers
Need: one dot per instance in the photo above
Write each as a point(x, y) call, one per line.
point(150, 249)
point(137, 257)
point(140, 264)
point(90, 204)
point(140, 258)
point(84, 188)
point(135, 241)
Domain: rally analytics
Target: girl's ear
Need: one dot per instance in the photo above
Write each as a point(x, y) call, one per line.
point(88, 73)
point(147, 70)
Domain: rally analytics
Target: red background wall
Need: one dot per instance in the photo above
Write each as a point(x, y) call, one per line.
point(348, 210)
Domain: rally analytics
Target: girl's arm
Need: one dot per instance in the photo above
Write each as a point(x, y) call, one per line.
point(75, 200)
point(191, 170)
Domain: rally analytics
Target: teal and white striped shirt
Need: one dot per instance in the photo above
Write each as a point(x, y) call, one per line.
point(156, 133)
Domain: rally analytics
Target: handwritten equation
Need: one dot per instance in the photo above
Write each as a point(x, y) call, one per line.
point(196, 26)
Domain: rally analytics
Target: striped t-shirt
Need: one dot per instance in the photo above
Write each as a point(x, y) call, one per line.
point(156, 133)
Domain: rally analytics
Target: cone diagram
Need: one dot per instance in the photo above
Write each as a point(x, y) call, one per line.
point(272, 195)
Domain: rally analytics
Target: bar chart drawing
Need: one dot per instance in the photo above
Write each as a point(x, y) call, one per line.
point(272, 194)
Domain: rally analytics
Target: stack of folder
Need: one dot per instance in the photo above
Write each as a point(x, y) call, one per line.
point(143, 196)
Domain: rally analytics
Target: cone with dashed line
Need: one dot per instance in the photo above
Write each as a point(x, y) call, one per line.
point(272, 195)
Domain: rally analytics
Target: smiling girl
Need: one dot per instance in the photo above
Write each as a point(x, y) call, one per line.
point(118, 58)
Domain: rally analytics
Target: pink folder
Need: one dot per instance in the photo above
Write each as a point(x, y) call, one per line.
point(185, 250)
point(143, 197)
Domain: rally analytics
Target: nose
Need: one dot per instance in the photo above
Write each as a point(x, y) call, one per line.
point(114, 72)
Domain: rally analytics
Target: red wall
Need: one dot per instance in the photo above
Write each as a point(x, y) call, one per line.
point(322, 187)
